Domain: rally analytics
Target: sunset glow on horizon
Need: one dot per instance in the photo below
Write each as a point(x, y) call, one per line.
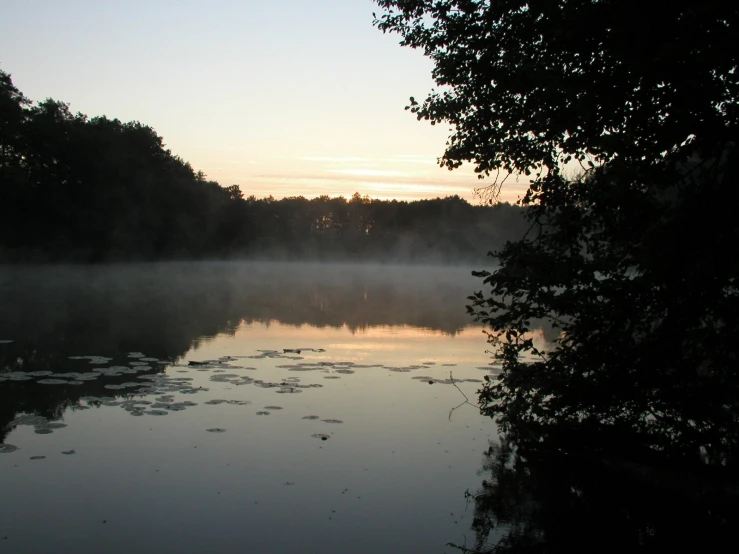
point(296, 99)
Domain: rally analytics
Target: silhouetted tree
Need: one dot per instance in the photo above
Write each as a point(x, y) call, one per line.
point(75, 188)
point(635, 260)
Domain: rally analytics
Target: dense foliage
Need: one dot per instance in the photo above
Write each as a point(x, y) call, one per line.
point(634, 260)
point(74, 188)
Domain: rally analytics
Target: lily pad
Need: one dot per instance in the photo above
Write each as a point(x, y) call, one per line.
point(56, 425)
point(69, 452)
point(322, 436)
point(53, 382)
point(262, 413)
point(332, 421)
point(7, 448)
point(37, 457)
point(44, 431)
point(311, 417)
point(216, 430)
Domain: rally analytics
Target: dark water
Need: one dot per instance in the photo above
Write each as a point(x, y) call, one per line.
point(114, 442)
point(123, 446)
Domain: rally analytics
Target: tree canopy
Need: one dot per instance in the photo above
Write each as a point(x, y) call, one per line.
point(82, 189)
point(528, 85)
point(635, 258)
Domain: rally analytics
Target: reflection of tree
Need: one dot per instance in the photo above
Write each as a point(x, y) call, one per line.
point(597, 490)
point(165, 309)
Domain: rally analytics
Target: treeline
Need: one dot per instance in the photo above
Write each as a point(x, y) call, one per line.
point(74, 188)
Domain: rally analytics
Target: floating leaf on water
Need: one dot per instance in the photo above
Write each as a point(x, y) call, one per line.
point(289, 483)
point(262, 413)
point(114, 387)
point(69, 452)
point(111, 403)
point(216, 430)
point(150, 360)
point(448, 365)
point(215, 401)
point(156, 412)
point(240, 402)
point(473, 380)
point(7, 448)
point(136, 412)
point(311, 417)
point(331, 377)
point(52, 382)
point(40, 373)
point(428, 363)
point(29, 419)
point(273, 407)
point(332, 421)
point(6, 341)
point(400, 370)
point(322, 436)
point(345, 371)
point(56, 425)
point(135, 355)
point(44, 431)
point(37, 457)
point(22, 378)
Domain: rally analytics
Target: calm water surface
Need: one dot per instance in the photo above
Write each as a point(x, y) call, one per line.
point(345, 446)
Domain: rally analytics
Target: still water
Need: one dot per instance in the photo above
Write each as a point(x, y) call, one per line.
point(232, 407)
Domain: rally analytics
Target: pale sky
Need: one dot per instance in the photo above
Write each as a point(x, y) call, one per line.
point(290, 97)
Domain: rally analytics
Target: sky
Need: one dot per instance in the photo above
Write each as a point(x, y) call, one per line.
point(285, 98)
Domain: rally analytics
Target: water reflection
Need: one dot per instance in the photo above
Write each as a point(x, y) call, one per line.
point(72, 320)
point(224, 447)
point(589, 490)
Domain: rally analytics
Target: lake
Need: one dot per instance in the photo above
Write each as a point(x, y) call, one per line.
point(239, 407)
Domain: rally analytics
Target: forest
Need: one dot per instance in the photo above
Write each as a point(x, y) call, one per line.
point(81, 189)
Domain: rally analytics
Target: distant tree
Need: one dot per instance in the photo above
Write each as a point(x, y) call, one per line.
point(635, 260)
point(12, 104)
point(92, 189)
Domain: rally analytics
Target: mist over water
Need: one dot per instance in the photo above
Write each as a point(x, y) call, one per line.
point(316, 397)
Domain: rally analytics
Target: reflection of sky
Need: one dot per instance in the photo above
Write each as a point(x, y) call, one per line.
point(247, 91)
point(390, 479)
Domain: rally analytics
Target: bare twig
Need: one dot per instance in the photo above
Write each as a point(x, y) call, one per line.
point(466, 400)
